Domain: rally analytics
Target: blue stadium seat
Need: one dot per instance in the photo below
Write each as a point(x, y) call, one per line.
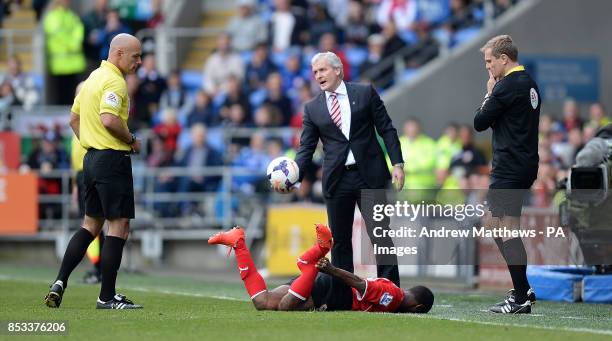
point(442, 36)
point(279, 58)
point(184, 139)
point(464, 35)
point(257, 97)
point(356, 55)
point(39, 80)
point(307, 57)
point(433, 11)
point(479, 14)
point(246, 56)
point(191, 79)
point(408, 74)
point(408, 36)
point(214, 138)
point(217, 101)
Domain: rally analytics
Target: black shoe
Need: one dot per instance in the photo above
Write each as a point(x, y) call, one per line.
point(54, 297)
point(92, 277)
point(118, 302)
point(531, 297)
point(511, 307)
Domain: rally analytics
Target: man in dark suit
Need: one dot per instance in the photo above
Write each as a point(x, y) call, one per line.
point(346, 117)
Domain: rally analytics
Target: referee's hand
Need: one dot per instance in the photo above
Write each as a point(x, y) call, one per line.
point(136, 146)
point(490, 83)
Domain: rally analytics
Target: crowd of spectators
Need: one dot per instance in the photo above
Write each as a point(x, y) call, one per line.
point(259, 77)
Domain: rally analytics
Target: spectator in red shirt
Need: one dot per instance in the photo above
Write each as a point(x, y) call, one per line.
point(168, 130)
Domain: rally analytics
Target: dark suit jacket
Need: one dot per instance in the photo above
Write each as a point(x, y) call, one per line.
point(368, 115)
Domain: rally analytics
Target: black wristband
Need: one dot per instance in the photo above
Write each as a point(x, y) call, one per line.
point(133, 140)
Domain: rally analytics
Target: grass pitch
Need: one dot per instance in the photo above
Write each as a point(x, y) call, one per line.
point(184, 308)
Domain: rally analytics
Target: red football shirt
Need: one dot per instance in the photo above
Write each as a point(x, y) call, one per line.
point(381, 295)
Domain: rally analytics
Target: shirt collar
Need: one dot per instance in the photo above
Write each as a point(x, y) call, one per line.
point(516, 68)
point(341, 90)
point(112, 67)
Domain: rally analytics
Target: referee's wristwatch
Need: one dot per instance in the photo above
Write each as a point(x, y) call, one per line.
point(133, 140)
point(400, 165)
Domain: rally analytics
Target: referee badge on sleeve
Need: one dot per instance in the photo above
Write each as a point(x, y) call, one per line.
point(112, 99)
point(533, 95)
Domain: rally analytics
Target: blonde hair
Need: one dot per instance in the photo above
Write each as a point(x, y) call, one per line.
point(502, 44)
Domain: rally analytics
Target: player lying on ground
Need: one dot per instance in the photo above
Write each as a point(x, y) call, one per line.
point(314, 288)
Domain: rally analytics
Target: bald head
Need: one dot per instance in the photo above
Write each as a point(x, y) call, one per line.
point(125, 53)
point(124, 41)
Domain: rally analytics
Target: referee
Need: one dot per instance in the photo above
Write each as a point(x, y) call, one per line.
point(99, 119)
point(512, 110)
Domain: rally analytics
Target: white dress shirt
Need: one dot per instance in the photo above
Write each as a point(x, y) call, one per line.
point(345, 111)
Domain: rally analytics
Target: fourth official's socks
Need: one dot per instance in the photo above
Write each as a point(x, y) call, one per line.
point(516, 258)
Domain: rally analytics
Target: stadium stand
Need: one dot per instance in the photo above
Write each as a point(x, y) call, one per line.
point(255, 114)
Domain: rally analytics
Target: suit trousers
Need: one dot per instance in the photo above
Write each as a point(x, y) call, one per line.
point(340, 213)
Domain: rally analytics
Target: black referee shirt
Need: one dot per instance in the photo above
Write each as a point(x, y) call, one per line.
point(513, 113)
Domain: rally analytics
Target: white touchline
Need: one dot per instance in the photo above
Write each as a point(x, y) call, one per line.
point(586, 330)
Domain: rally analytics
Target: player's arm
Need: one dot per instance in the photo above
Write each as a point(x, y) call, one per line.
point(75, 124)
point(308, 143)
point(348, 278)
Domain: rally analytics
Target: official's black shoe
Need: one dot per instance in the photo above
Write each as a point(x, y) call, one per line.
point(118, 302)
point(54, 297)
point(512, 307)
point(531, 297)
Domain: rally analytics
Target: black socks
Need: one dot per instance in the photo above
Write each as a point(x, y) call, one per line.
point(110, 260)
point(516, 258)
point(74, 254)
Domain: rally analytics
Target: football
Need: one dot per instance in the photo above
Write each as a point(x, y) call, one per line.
point(283, 172)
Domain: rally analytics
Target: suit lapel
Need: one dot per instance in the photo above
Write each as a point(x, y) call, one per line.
point(323, 104)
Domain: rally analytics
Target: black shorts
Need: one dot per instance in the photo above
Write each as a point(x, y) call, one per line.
point(505, 196)
point(333, 294)
point(109, 187)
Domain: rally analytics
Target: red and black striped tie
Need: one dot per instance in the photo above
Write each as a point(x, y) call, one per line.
point(335, 113)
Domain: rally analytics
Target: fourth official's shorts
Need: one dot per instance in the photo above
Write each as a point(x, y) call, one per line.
point(109, 187)
point(505, 196)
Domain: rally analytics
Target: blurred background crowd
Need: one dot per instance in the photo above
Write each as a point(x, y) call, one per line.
point(244, 106)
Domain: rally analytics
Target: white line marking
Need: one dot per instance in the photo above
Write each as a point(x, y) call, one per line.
point(585, 330)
